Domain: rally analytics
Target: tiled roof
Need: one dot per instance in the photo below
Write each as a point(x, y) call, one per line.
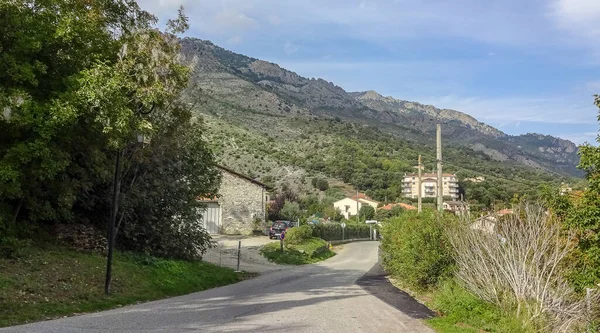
point(430, 175)
point(256, 182)
point(401, 204)
point(361, 196)
point(504, 212)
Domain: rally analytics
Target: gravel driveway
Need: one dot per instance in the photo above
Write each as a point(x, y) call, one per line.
point(225, 254)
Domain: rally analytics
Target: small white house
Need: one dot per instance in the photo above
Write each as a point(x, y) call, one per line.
point(351, 206)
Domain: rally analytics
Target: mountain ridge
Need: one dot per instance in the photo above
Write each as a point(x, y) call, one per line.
point(281, 92)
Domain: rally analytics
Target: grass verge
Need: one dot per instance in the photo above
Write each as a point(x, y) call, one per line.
point(460, 311)
point(53, 282)
point(309, 251)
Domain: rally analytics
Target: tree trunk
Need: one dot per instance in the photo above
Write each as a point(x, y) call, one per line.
point(16, 216)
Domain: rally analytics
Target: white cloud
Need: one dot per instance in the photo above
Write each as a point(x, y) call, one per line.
point(274, 20)
point(593, 86)
point(581, 138)
point(506, 22)
point(162, 7)
point(234, 40)
point(514, 110)
point(233, 20)
point(580, 18)
point(290, 48)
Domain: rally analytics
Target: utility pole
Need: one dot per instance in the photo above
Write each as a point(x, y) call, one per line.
point(419, 191)
point(419, 195)
point(440, 188)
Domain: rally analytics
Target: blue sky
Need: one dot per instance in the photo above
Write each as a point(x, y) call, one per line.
point(519, 65)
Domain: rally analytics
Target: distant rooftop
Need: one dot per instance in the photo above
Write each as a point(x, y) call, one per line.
point(434, 175)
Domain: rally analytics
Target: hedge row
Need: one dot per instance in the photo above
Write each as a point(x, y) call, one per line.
point(333, 231)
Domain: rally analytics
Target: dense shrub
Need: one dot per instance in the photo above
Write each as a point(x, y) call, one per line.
point(382, 214)
point(290, 211)
point(367, 212)
point(322, 184)
point(522, 266)
point(279, 201)
point(457, 305)
point(298, 235)
point(310, 250)
point(12, 248)
point(416, 249)
point(333, 231)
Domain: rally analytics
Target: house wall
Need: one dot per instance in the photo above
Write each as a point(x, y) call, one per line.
point(241, 203)
point(347, 202)
point(371, 203)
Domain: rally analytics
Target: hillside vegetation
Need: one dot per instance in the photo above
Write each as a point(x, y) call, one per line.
point(279, 127)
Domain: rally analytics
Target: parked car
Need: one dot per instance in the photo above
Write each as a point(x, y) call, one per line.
point(278, 227)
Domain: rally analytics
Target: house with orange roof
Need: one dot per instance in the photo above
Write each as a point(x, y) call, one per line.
point(351, 206)
point(505, 211)
point(399, 204)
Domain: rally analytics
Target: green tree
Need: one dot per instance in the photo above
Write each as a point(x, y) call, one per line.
point(333, 213)
point(78, 82)
point(320, 184)
point(382, 214)
point(290, 211)
point(581, 213)
point(47, 137)
point(280, 199)
point(416, 248)
point(585, 215)
point(367, 212)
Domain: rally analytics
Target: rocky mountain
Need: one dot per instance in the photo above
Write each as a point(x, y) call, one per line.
point(388, 104)
point(264, 98)
point(535, 150)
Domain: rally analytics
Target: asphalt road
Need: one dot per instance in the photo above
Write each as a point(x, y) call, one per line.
point(338, 295)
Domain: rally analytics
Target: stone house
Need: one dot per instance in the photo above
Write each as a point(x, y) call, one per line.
point(240, 204)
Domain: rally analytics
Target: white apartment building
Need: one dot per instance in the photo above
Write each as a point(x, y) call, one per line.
point(429, 185)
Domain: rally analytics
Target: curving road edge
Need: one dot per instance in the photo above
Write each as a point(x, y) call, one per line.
point(342, 294)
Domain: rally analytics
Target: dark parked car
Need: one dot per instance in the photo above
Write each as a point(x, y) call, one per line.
point(278, 227)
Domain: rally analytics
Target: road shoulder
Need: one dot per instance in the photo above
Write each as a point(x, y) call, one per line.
point(376, 283)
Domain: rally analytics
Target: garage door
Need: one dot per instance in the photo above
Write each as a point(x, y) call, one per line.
point(212, 218)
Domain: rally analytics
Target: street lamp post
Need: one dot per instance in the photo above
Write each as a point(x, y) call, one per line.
point(114, 207)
